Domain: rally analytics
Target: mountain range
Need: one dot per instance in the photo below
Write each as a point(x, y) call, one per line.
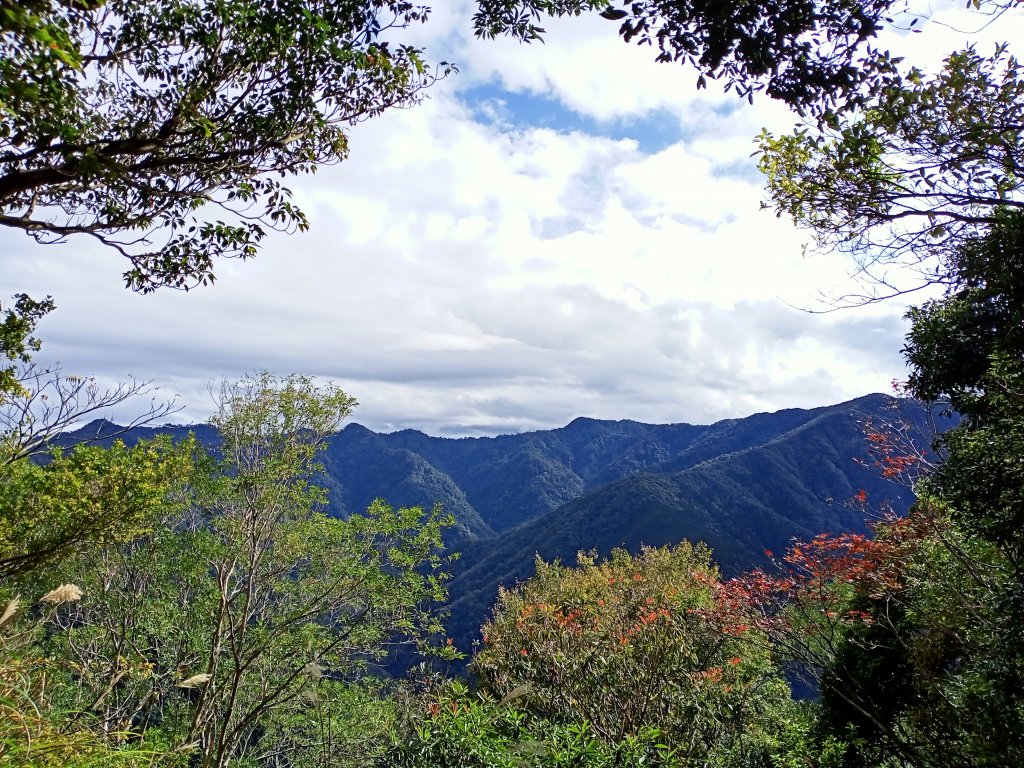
point(743, 486)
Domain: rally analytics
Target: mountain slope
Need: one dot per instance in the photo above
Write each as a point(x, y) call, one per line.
point(513, 478)
point(797, 482)
point(741, 485)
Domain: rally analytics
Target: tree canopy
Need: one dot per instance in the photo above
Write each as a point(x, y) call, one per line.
point(814, 55)
point(230, 621)
point(935, 670)
point(139, 123)
point(627, 644)
point(932, 161)
point(165, 129)
point(926, 173)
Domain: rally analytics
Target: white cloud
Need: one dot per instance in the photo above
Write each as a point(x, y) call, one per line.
point(466, 276)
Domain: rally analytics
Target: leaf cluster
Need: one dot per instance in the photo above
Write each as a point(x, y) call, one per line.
point(450, 726)
point(242, 623)
point(16, 340)
point(89, 496)
point(625, 644)
point(134, 122)
point(930, 162)
point(813, 55)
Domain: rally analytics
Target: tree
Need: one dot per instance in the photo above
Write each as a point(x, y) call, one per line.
point(954, 341)
point(930, 162)
point(242, 628)
point(913, 636)
point(134, 122)
point(813, 55)
point(967, 347)
point(82, 498)
point(834, 612)
point(55, 501)
point(17, 342)
point(629, 644)
point(927, 174)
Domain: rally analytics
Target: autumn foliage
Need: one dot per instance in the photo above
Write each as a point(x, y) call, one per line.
point(818, 588)
point(627, 643)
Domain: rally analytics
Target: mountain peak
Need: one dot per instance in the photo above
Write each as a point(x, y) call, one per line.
point(100, 428)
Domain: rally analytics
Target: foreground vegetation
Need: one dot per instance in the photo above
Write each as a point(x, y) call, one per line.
point(167, 605)
point(221, 618)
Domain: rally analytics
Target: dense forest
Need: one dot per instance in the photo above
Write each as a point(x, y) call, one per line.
point(189, 602)
point(740, 486)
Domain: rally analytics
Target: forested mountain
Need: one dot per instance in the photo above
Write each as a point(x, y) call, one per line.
point(494, 484)
point(740, 485)
point(743, 486)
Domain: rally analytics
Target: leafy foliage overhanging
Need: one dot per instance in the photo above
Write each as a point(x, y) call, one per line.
point(138, 122)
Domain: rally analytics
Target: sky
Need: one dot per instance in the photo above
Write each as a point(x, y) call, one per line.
point(560, 230)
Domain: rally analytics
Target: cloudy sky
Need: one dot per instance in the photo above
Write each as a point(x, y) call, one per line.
point(561, 230)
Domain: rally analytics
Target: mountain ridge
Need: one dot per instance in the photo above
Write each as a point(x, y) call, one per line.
point(740, 485)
